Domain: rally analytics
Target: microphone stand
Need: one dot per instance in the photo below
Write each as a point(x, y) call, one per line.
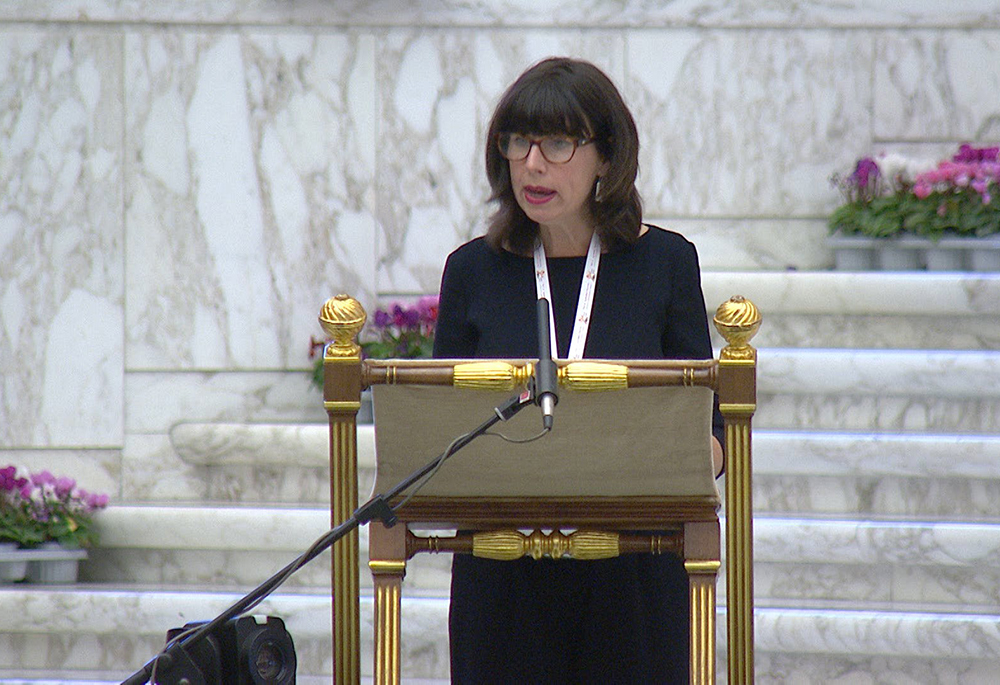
point(377, 507)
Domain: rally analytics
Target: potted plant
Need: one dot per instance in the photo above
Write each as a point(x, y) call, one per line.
point(914, 213)
point(18, 529)
point(398, 331)
point(50, 518)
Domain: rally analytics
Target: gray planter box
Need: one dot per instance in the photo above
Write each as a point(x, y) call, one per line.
point(910, 253)
point(47, 563)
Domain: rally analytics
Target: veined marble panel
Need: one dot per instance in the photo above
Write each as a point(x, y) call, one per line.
point(888, 588)
point(61, 237)
point(877, 414)
point(932, 85)
point(249, 198)
point(916, 374)
point(864, 454)
point(888, 294)
point(872, 632)
point(799, 669)
point(876, 543)
point(923, 498)
point(853, 331)
point(747, 123)
point(152, 472)
point(158, 401)
point(438, 89)
point(754, 244)
point(201, 568)
point(626, 13)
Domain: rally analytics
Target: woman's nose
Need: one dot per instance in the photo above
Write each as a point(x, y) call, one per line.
point(535, 159)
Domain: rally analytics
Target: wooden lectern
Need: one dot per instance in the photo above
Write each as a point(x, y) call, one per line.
point(563, 481)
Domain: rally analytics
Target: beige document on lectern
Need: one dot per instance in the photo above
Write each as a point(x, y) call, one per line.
point(618, 443)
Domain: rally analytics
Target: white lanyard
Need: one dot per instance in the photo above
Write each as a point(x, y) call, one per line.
point(584, 305)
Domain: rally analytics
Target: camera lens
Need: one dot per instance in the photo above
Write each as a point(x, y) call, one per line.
point(269, 662)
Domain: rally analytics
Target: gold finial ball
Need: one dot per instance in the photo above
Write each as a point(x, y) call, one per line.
point(738, 320)
point(342, 318)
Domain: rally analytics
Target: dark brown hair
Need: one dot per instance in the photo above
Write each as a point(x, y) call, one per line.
point(567, 97)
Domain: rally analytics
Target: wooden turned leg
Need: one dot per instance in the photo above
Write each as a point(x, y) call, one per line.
point(387, 561)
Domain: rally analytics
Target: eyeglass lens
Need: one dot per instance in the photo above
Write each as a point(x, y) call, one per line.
point(555, 149)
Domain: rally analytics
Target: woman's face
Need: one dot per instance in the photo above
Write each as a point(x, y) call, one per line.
point(556, 196)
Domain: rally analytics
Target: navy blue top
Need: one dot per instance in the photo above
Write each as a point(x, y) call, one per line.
point(648, 304)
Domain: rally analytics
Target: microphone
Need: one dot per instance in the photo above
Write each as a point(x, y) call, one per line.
point(546, 385)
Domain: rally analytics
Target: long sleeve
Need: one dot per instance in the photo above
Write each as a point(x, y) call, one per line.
point(454, 336)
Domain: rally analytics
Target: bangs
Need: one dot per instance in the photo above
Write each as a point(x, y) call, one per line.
point(544, 107)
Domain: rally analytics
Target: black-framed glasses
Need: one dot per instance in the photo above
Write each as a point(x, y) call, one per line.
point(555, 149)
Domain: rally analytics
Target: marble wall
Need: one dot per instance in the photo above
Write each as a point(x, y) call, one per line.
point(185, 182)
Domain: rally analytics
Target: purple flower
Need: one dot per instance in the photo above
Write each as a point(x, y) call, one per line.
point(43, 478)
point(866, 172)
point(382, 319)
point(411, 318)
point(9, 480)
point(64, 486)
point(428, 309)
point(967, 153)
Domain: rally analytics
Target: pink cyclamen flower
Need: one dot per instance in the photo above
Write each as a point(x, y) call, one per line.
point(922, 189)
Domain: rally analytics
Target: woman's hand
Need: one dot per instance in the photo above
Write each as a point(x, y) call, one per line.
point(718, 458)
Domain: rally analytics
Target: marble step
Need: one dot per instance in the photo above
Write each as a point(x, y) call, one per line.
point(885, 563)
point(110, 633)
point(880, 474)
point(942, 311)
point(114, 632)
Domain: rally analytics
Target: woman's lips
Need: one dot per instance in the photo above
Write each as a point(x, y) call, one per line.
point(538, 195)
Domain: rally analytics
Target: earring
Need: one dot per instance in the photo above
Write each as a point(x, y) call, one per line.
point(597, 191)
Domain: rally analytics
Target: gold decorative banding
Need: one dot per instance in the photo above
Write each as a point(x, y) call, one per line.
point(490, 375)
point(737, 408)
point(508, 545)
point(688, 378)
point(383, 567)
point(702, 566)
point(341, 406)
point(736, 361)
point(594, 376)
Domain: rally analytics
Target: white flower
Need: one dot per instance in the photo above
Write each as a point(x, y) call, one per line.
point(899, 171)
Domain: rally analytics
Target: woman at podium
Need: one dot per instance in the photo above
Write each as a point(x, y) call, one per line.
point(562, 159)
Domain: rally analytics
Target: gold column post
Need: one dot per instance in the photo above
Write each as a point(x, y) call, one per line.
point(342, 318)
point(738, 321)
point(387, 562)
point(701, 561)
